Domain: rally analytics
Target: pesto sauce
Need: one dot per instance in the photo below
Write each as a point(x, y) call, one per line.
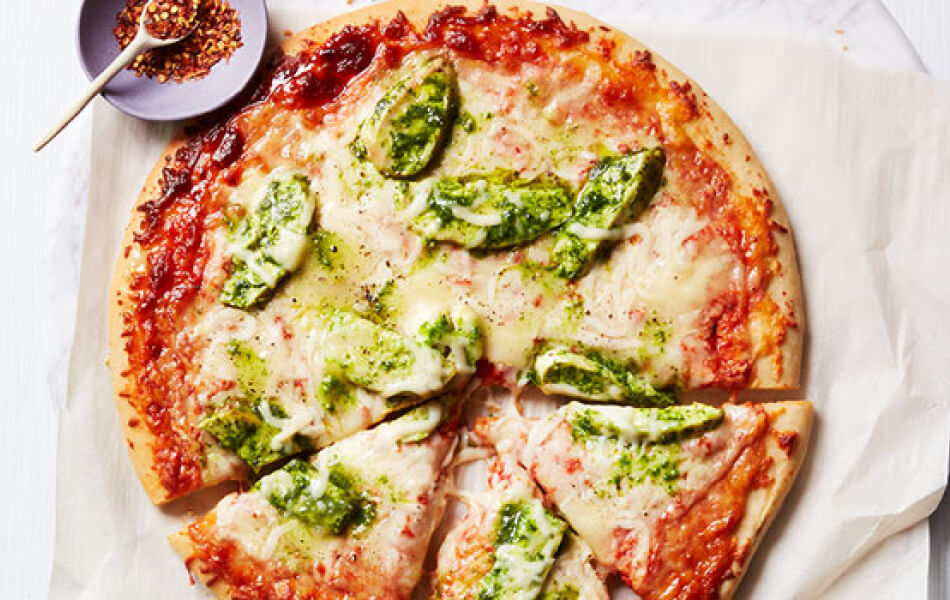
point(460, 338)
point(379, 299)
point(343, 508)
point(654, 336)
point(524, 551)
point(251, 368)
point(636, 463)
point(329, 248)
point(618, 189)
point(409, 123)
point(267, 242)
point(467, 122)
point(655, 425)
point(582, 372)
point(492, 211)
point(658, 463)
point(360, 353)
point(645, 439)
point(336, 394)
point(240, 427)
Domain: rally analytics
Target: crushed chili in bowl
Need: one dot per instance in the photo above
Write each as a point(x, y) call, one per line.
point(167, 19)
point(216, 36)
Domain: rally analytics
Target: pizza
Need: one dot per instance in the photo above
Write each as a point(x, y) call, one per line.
point(352, 521)
point(511, 545)
point(416, 200)
point(674, 499)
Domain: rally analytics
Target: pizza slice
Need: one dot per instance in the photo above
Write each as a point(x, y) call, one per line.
point(674, 499)
point(511, 545)
point(352, 522)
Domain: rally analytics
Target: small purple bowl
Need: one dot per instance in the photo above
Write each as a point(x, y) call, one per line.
point(145, 98)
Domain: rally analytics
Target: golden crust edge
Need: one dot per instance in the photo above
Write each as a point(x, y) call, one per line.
point(418, 12)
point(762, 508)
point(185, 547)
point(140, 438)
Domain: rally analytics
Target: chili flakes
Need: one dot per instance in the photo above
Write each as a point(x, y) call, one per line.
point(216, 36)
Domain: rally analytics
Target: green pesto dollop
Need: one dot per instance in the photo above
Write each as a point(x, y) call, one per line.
point(644, 440)
point(582, 372)
point(239, 426)
point(527, 537)
point(251, 368)
point(269, 242)
point(658, 463)
point(459, 337)
point(618, 189)
point(330, 250)
point(362, 354)
point(238, 423)
point(491, 211)
point(409, 123)
point(655, 425)
point(340, 507)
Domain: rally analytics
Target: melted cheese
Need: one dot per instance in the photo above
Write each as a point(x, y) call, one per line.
point(596, 234)
point(660, 266)
point(464, 213)
point(409, 427)
point(575, 472)
point(395, 475)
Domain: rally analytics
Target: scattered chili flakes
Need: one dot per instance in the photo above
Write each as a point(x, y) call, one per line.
point(216, 37)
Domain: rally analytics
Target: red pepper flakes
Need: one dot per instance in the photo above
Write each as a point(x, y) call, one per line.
point(216, 36)
point(169, 19)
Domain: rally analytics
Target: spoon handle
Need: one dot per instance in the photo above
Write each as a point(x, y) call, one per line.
point(136, 47)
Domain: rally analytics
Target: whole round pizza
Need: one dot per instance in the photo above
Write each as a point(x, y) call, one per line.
point(414, 203)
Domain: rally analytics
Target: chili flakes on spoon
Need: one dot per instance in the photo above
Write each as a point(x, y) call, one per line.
point(216, 36)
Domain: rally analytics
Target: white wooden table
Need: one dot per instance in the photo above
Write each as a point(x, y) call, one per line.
point(42, 203)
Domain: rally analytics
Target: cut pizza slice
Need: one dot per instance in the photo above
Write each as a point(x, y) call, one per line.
point(507, 546)
point(353, 522)
point(675, 499)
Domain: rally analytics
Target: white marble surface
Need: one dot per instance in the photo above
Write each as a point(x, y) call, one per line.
point(43, 210)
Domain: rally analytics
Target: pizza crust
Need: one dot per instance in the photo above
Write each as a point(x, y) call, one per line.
point(764, 503)
point(139, 437)
point(185, 548)
point(784, 287)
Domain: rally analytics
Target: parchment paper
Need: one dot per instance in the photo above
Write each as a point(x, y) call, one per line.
point(862, 163)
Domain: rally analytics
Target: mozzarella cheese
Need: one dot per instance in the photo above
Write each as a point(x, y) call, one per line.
point(663, 269)
point(578, 475)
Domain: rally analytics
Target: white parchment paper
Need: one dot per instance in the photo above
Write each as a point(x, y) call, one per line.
point(862, 163)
